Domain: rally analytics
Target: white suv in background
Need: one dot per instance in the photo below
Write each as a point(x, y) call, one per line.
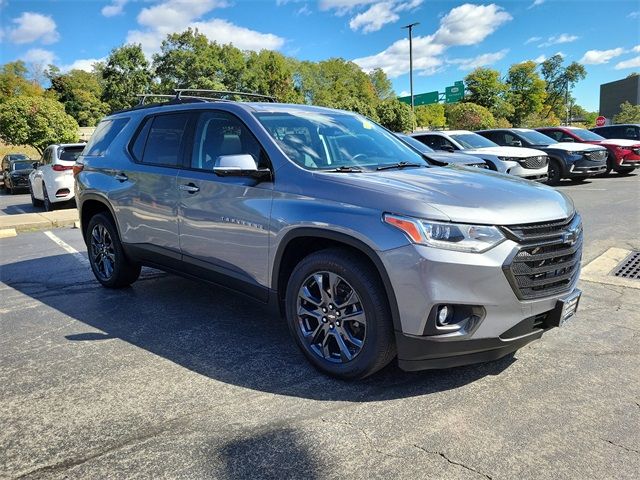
point(523, 162)
point(51, 181)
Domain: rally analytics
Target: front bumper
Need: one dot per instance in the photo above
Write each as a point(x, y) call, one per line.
point(424, 278)
point(536, 174)
point(63, 188)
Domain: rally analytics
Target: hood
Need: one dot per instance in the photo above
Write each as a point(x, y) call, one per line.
point(463, 194)
point(517, 152)
point(21, 173)
point(574, 147)
point(454, 158)
point(623, 142)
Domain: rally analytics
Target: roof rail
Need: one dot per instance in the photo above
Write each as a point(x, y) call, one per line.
point(221, 94)
point(143, 97)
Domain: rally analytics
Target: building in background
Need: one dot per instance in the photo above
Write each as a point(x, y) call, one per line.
point(613, 94)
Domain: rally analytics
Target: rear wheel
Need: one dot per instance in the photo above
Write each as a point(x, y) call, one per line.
point(109, 264)
point(338, 313)
point(34, 201)
point(554, 173)
point(49, 206)
point(9, 189)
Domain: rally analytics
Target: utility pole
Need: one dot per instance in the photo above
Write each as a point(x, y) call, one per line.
point(566, 101)
point(410, 28)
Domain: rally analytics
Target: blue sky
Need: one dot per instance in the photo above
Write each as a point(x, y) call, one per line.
point(452, 38)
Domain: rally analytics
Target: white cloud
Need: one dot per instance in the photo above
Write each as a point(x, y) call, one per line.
point(114, 8)
point(597, 57)
point(32, 27)
point(636, 48)
point(304, 10)
point(463, 25)
point(374, 18)
point(342, 7)
point(635, 14)
point(173, 16)
point(479, 61)
point(404, 93)
point(535, 3)
point(532, 40)
point(39, 56)
point(558, 39)
point(469, 24)
point(631, 63)
point(85, 64)
point(540, 58)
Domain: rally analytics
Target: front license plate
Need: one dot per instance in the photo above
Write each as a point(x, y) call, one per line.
point(566, 308)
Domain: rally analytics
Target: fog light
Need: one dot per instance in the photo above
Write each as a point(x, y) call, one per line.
point(444, 315)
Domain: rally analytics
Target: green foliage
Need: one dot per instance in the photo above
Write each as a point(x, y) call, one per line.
point(36, 121)
point(628, 114)
point(526, 91)
point(269, 73)
point(14, 82)
point(559, 82)
point(589, 117)
point(485, 88)
point(124, 75)
point(430, 115)
point(395, 115)
point(469, 116)
point(502, 123)
point(381, 84)
point(539, 119)
point(80, 93)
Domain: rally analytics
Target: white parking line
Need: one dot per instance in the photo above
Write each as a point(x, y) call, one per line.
point(76, 254)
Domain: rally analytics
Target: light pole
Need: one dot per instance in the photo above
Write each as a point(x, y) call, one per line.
point(410, 28)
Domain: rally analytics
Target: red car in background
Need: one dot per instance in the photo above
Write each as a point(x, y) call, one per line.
point(624, 155)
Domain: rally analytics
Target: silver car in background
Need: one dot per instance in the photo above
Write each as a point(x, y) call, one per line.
point(368, 251)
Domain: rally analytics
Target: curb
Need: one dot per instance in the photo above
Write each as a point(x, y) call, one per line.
point(28, 222)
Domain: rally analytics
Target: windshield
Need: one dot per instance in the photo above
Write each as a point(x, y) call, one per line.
point(587, 135)
point(472, 140)
point(22, 165)
point(417, 144)
point(18, 156)
point(536, 138)
point(328, 141)
point(70, 154)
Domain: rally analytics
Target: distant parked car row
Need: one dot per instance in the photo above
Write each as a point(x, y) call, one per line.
point(547, 154)
point(49, 181)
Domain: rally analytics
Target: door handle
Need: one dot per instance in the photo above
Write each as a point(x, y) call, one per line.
point(121, 177)
point(189, 188)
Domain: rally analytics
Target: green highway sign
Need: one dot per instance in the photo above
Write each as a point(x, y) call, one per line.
point(421, 99)
point(454, 94)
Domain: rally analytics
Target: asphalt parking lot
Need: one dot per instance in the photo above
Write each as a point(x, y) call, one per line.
point(176, 379)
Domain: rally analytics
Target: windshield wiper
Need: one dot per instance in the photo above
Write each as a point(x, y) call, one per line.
point(399, 165)
point(344, 169)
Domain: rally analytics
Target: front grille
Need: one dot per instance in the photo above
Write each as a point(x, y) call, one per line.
point(534, 162)
point(636, 151)
point(596, 155)
point(547, 261)
point(479, 165)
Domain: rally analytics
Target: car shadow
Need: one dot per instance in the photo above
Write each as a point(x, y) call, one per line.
point(212, 331)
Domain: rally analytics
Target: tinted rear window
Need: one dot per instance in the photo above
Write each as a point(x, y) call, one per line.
point(163, 142)
point(106, 131)
point(69, 154)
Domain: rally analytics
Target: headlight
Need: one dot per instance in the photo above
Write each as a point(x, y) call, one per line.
point(449, 236)
point(509, 159)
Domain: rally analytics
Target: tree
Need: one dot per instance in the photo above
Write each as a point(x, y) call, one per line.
point(469, 116)
point(559, 82)
point(485, 88)
point(14, 82)
point(588, 118)
point(80, 93)
point(381, 84)
point(269, 73)
point(124, 75)
point(337, 83)
point(628, 114)
point(430, 115)
point(539, 119)
point(36, 121)
point(190, 60)
point(526, 91)
point(395, 115)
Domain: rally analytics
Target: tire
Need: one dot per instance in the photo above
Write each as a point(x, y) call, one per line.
point(49, 206)
point(325, 340)
point(554, 173)
point(578, 179)
point(10, 190)
point(624, 171)
point(34, 201)
point(610, 164)
point(108, 261)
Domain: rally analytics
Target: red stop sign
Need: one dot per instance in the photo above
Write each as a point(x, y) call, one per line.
point(601, 121)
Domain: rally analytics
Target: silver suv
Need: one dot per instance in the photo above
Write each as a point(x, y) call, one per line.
point(368, 251)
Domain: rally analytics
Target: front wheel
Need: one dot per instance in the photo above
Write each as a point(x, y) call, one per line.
point(109, 264)
point(338, 314)
point(624, 170)
point(554, 173)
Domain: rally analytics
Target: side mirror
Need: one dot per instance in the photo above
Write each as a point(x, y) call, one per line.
point(239, 166)
point(568, 139)
point(447, 148)
point(35, 165)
